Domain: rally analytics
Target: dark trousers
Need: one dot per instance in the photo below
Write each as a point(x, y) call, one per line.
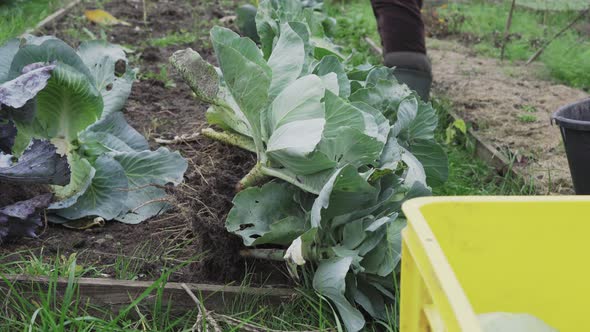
point(400, 25)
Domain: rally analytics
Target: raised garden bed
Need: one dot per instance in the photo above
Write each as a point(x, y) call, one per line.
point(161, 106)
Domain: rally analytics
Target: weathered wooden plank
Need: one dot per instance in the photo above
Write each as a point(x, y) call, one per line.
point(116, 294)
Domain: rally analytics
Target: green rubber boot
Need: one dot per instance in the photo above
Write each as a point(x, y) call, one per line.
point(412, 69)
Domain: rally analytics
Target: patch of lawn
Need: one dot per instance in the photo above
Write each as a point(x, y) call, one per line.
point(355, 20)
point(19, 15)
point(567, 57)
point(177, 38)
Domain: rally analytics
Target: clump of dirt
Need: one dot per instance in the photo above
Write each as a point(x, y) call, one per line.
point(162, 106)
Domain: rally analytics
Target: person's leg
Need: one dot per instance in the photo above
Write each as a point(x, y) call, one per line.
point(402, 35)
point(400, 25)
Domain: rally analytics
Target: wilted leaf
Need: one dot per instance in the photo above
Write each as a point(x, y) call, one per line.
point(199, 74)
point(100, 16)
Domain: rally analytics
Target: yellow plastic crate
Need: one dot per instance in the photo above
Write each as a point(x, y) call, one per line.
point(463, 256)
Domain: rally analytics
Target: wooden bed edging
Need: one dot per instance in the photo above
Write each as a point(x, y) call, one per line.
point(115, 294)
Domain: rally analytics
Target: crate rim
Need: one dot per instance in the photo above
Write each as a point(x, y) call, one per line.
point(443, 272)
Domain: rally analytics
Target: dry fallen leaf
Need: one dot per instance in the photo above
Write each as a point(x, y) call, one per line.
point(100, 16)
point(228, 19)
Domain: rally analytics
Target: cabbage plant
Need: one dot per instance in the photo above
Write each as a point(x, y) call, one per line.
point(343, 156)
point(72, 100)
point(39, 164)
point(339, 150)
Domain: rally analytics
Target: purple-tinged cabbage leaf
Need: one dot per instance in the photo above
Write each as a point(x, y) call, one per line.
point(17, 92)
point(22, 218)
point(112, 173)
point(39, 164)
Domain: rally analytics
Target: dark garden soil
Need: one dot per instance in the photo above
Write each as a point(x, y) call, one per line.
point(162, 106)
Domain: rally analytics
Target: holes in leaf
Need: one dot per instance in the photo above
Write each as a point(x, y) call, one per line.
point(244, 226)
point(256, 201)
point(255, 236)
point(109, 87)
point(120, 67)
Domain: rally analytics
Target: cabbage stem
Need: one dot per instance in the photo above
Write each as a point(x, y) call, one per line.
point(268, 254)
point(255, 177)
point(238, 140)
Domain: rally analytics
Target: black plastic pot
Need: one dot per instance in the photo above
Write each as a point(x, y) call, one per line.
point(574, 123)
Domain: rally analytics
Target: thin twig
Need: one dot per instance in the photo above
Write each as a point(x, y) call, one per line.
point(571, 24)
point(250, 327)
point(202, 311)
point(507, 30)
point(374, 47)
point(144, 13)
point(143, 187)
point(45, 223)
point(157, 200)
point(184, 138)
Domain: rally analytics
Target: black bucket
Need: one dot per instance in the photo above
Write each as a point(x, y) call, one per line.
point(574, 124)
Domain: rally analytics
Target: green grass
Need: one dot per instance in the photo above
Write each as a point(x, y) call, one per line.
point(355, 20)
point(43, 309)
point(567, 58)
point(469, 175)
point(554, 4)
point(177, 38)
point(161, 75)
point(19, 15)
point(527, 118)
